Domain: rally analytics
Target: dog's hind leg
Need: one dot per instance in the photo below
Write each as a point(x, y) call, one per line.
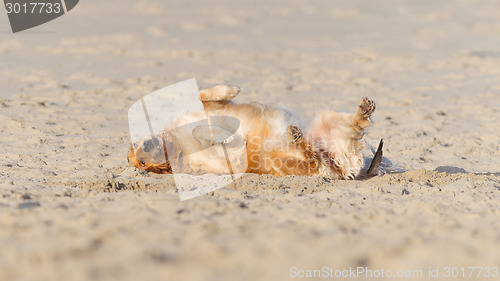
point(361, 119)
point(338, 137)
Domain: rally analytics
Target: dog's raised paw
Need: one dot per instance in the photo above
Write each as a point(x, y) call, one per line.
point(219, 92)
point(294, 134)
point(366, 107)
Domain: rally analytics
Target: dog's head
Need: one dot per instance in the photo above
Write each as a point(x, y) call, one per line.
point(149, 154)
point(150, 150)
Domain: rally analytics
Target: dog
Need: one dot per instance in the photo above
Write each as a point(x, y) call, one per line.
point(259, 139)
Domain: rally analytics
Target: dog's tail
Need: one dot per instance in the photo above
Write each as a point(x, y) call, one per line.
point(378, 164)
point(377, 159)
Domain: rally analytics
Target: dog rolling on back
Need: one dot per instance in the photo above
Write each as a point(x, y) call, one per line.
point(270, 140)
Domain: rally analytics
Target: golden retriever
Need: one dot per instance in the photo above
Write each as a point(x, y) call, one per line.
point(259, 139)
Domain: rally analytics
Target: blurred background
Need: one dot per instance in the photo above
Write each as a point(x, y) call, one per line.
point(433, 68)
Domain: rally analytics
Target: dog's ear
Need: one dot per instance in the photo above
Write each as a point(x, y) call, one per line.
point(150, 150)
point(131, 155)
point(150, 144)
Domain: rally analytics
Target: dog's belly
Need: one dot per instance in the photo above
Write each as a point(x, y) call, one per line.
point(265, 131)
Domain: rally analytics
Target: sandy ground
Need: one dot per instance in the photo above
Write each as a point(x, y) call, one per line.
point(71, 209)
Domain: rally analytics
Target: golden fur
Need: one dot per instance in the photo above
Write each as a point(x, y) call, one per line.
point(269, 137)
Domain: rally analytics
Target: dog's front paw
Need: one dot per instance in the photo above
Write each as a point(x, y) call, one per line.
point(219, 92)
point(294, 134)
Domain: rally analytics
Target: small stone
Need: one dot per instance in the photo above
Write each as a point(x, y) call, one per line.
point(29, 205)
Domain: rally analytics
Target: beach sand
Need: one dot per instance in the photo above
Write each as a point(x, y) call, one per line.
point(72, 209)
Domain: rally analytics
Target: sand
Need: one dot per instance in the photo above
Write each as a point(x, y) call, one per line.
point(72, 209)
